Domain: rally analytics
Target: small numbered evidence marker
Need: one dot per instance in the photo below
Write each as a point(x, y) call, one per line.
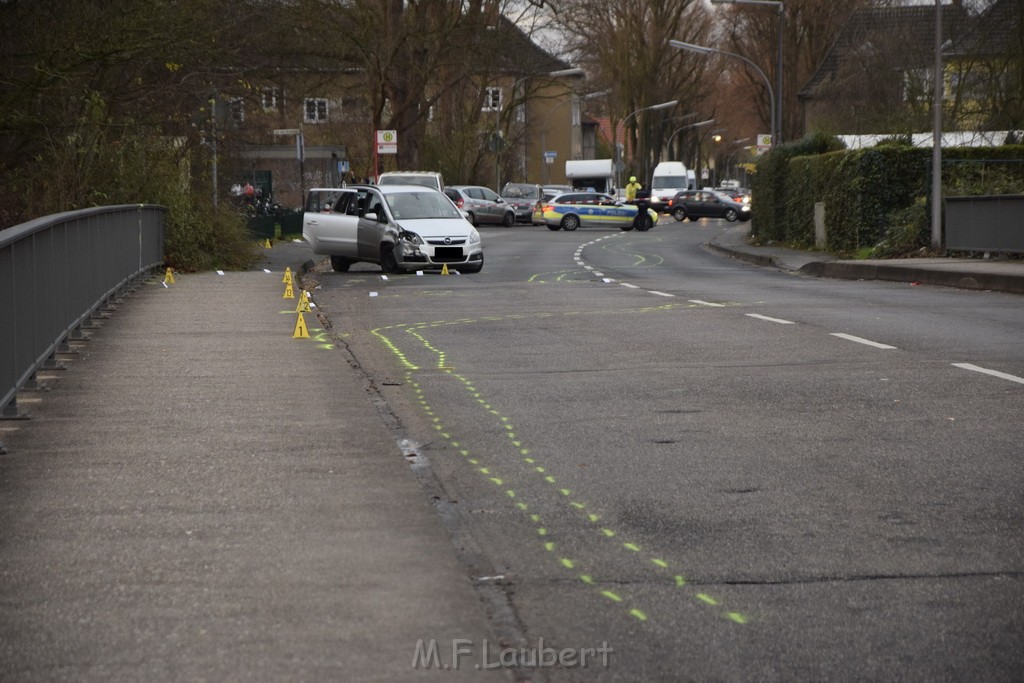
point(289, 292)
point(300, 331)
point(287, 276)
point(169, 276)
point(303, 305)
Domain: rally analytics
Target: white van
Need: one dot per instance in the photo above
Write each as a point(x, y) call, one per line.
point(425, 178)
point(596, 175)
point(669, 177)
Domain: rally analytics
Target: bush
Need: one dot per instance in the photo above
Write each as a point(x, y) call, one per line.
point(908, 231)
point(205, 238)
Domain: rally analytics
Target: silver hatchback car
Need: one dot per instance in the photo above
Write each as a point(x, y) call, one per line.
point(400, 227)
point(482, 205)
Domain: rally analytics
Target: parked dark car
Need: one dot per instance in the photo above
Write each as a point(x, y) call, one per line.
point(522, 197)
point(695, 204)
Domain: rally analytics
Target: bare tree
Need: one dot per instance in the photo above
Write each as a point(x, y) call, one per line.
point(810, 29)
point(626, 44)
point(92, 92)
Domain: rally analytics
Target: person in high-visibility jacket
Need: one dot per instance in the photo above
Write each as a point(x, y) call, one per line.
point(631, 188)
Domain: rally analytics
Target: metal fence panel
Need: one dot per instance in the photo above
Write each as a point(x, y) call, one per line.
point(56, 271)
point(985, 223)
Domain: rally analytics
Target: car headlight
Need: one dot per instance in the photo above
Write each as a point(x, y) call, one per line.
point(412, 238)
point(745, 207)
point(474, 237)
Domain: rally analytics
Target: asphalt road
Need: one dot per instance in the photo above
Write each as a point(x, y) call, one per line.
point(677, 454)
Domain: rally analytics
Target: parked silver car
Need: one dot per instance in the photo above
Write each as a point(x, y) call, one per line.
point(482, 205)
point(400, 227)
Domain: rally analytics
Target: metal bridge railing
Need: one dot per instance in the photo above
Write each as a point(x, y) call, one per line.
point(56, 272)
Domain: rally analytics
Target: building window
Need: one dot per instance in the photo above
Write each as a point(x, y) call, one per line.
point(917, 84)
point(315, 110)
point(492, 99)
point(236, 108)
point(269, 98)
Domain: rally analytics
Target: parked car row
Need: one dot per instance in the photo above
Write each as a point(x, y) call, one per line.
point(411, 221)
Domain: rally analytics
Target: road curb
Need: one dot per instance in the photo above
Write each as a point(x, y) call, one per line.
point(888, 272)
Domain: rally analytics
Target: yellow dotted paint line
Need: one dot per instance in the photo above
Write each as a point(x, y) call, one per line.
point(542, 531)
point(547, 478)
point(542, 471)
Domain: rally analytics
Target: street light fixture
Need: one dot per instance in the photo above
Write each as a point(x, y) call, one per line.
point(781, 9)
point(560, 73)
point(700, 49)
point(544, 127)
point(653, 107)
point(699, 124)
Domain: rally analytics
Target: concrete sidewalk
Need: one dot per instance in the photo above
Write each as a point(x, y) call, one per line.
point(202, 497)
point(997, 274)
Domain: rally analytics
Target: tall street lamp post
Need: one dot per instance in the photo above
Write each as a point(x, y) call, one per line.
point(653, 107)
point(937, 134)
point(699, 124)
point(544, 127)
point(781, 10)
point(700, 49)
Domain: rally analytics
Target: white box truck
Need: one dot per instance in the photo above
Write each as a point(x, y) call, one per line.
point(586, 174)
point(669, 177)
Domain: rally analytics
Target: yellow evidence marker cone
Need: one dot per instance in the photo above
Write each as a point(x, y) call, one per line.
point(169, 276)
point(287, 276)
point(300, 332)
point(444, 270)
point(289, 293)
point(303, 306)
point(266, 245)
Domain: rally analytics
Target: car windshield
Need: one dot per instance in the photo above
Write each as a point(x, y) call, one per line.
point(424, 180)
point(412, 205)
point(521, 192)
point(669, 182)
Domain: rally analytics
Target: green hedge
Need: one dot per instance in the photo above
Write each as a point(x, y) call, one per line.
point(876, 198)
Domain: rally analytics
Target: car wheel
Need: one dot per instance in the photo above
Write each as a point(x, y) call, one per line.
point(510, 220)
point(570, 222)
point(388, 262)
point(679, 213)
point(554, 227)
point(340, 264)
point(472, 219)
point(730, 215)
point(645, 223)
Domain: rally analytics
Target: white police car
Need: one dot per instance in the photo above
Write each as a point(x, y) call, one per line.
point(570, 210)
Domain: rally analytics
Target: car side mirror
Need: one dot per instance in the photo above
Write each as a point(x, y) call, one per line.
point(371, 216)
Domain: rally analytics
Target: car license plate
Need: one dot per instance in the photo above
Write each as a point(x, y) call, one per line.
point(448, 253)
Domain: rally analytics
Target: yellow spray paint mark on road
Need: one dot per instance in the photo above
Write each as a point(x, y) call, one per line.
point(542, 531)
point(416, 332)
